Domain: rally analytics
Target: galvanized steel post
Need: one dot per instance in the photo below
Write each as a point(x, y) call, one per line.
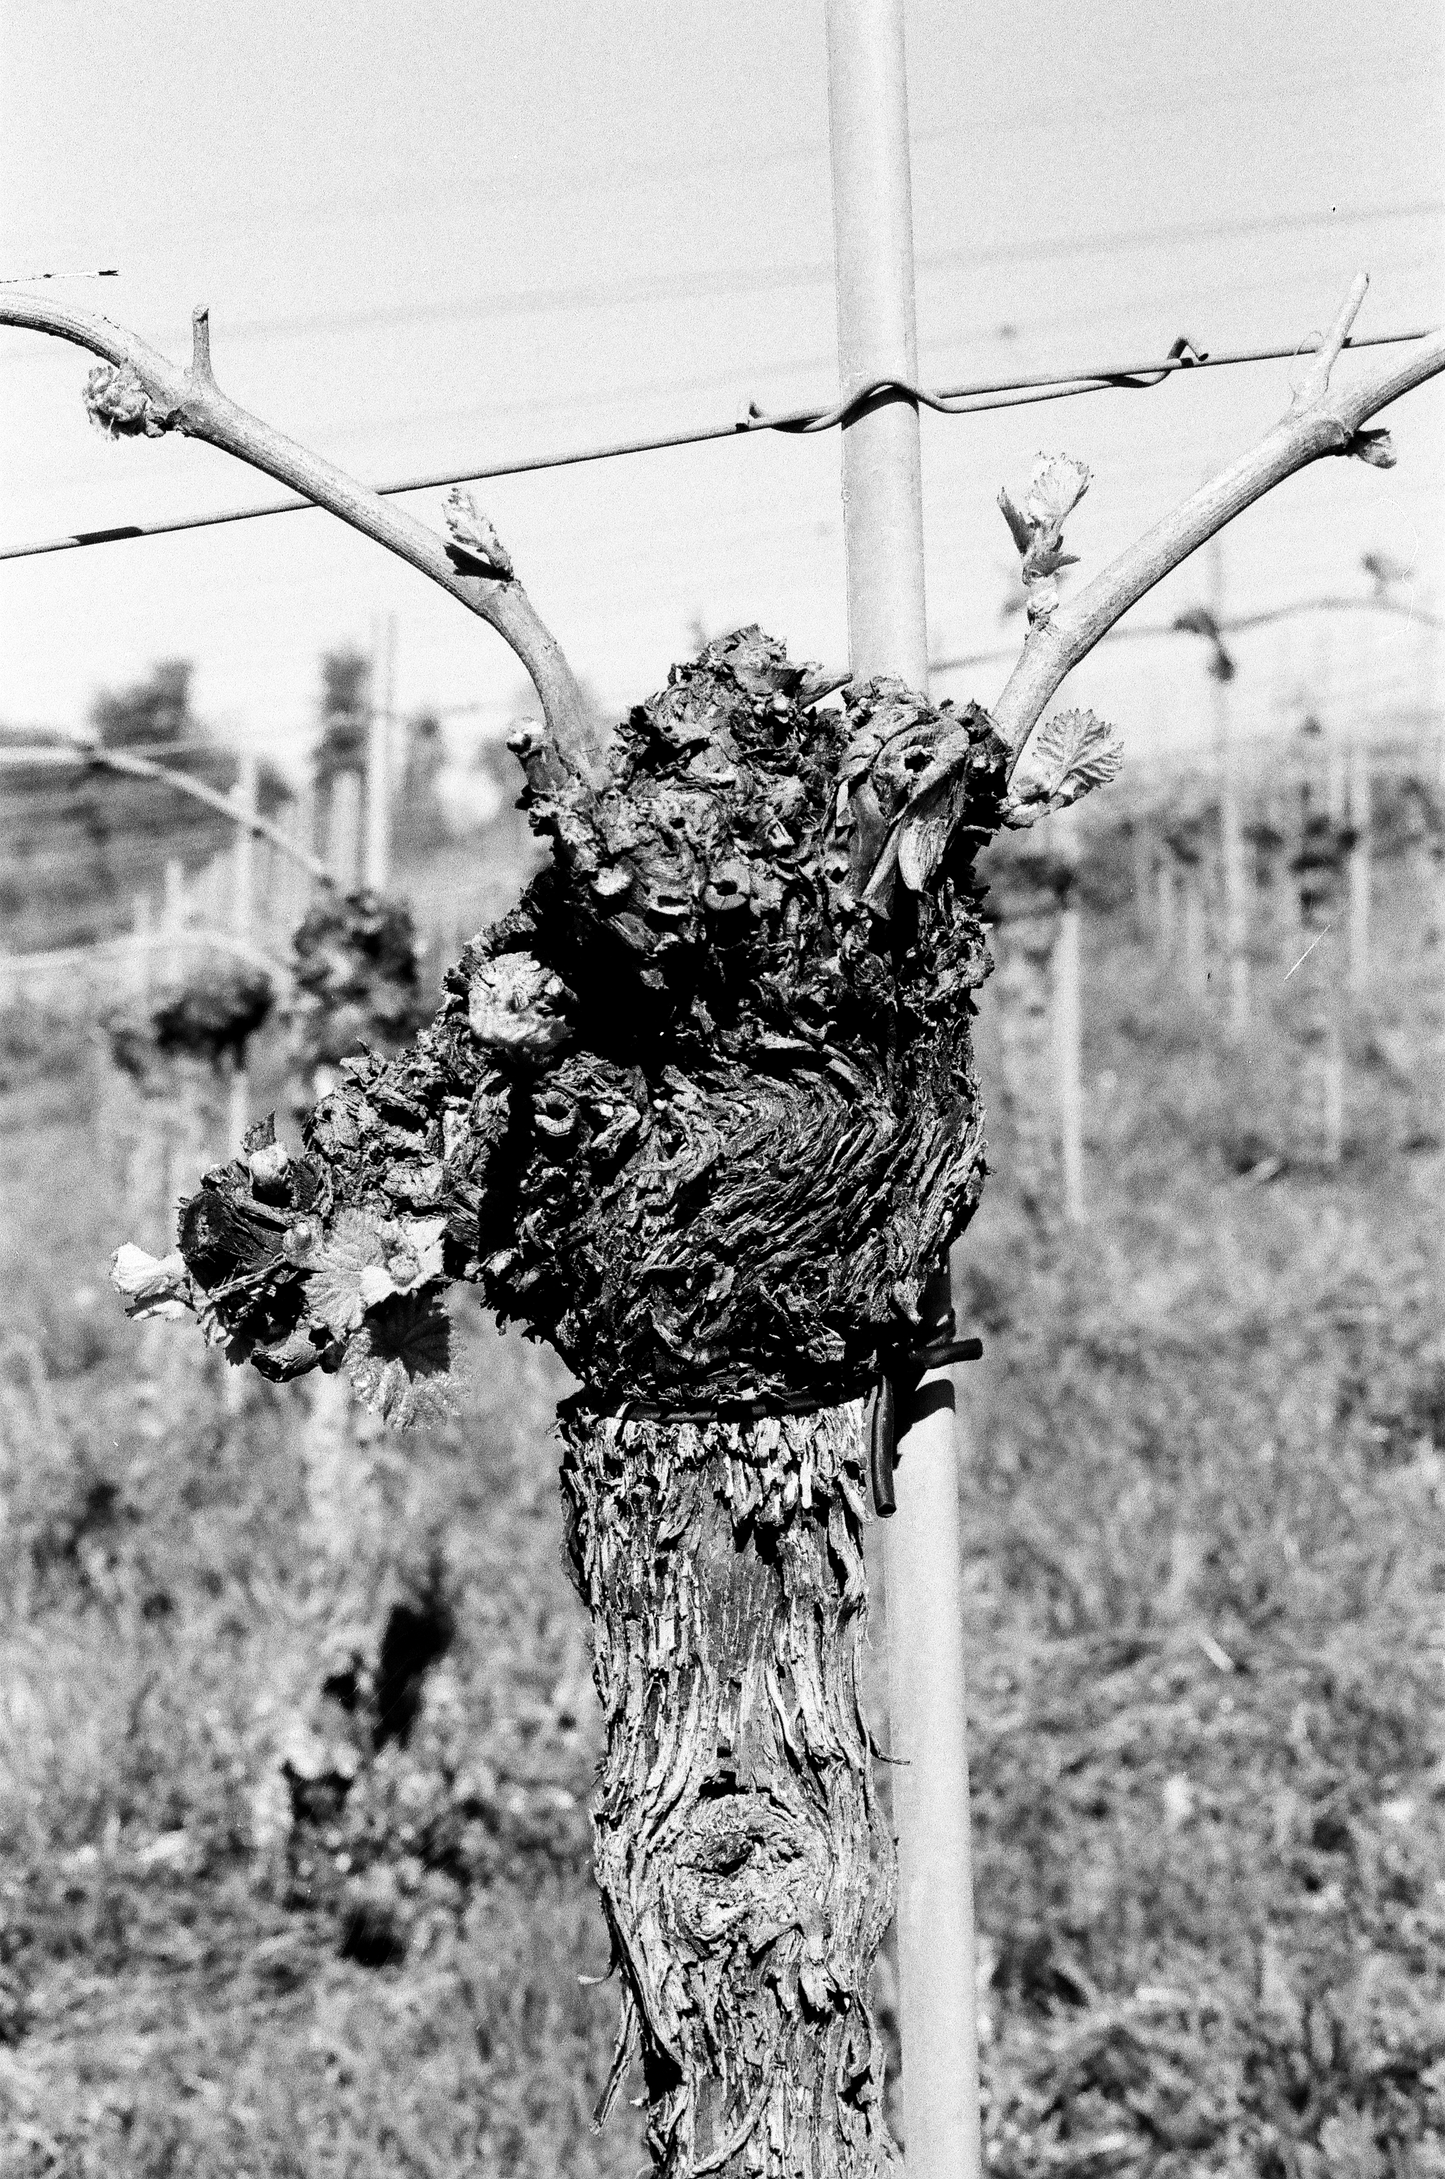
point(888, 633)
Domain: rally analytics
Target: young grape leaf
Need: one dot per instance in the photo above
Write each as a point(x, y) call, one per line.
point(399, 1360)
point(338, 1290)
point(1373, 446)
point(1057, 485)
point(472, 535)
point(1055, 489)
point(1069, 755)
point(151, 1286)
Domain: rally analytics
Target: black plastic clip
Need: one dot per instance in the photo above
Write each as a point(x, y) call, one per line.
point(946, 1353)
point(883, 1444)
point(896, 1386)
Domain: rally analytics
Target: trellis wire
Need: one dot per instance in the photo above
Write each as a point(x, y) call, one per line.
point(965, 400)
point(1234, 624)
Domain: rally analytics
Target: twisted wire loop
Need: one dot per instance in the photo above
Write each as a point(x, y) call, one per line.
point(1184, 355)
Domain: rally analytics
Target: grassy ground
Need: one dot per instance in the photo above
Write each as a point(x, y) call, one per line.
point(294, 1757)
point(1209, 1601)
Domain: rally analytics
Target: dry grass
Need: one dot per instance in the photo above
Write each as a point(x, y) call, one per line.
point(1205, 1511)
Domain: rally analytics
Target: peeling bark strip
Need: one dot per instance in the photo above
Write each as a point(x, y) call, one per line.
point(745, 1869)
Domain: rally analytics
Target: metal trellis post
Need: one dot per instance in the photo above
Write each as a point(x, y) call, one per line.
point(887, 633)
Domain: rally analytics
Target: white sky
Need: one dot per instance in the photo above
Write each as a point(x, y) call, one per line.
point(445, 233)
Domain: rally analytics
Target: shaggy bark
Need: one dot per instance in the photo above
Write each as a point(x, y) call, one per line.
point(745, 1869)
point(702, 1112)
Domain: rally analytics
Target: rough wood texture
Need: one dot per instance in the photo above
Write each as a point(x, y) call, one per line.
point(702, 1109)
point(746, 1872)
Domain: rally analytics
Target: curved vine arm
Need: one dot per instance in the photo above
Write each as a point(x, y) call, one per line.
point(1320, 420)
point(143, 394)
point(87, 749)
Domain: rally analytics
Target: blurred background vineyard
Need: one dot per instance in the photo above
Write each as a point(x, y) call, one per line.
point(296, 1725)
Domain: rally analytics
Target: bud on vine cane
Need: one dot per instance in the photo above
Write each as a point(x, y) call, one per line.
point(117, 402)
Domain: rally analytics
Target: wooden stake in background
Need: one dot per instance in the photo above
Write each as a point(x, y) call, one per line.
point(1165, 903)
point(1325, 712)
point(173, 919)
point(1183, 847)
point(923, 1543)
point(343, 830)
point(1068, 1019)
point(1141, 857)
point(1319, 869)
point(376, 864)
point(301, 826)
point(1359, 864)
point(1231, 835)
point(140, 973)
point(242, 919)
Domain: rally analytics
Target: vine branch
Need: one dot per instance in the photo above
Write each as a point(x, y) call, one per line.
point(1319, 421)
point(86, 749)
point(143, 394)
point(120, 760)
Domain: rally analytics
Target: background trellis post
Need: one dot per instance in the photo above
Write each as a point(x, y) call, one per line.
point(1068, 1019)
point(1231, 837)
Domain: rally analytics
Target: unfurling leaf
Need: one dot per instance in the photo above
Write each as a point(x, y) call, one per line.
point(1055, 489)
point(1020, 527)
point(1069, 755)
point(398, 1361)
point(472, 535)
point(1057, 485)
point(1375, 447)
point(363, 1262)
point(151, 1286)
point(351, 1248)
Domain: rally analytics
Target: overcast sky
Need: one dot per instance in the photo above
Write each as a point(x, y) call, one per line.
point(443, 233)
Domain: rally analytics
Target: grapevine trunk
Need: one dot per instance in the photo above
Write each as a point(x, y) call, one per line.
point(745, 1866)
